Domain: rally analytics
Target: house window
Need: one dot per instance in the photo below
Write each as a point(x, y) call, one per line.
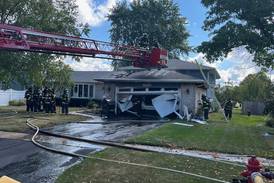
point(85, 90)
point(139, 89)
point(171, 89)
point(71, 92)
point(80, 93)
point(91, 91)
point(154, 89)
point(75, 88)
point(124, 89)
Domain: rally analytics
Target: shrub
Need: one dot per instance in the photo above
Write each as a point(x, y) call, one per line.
point(270, 111)
point(269, 107)
point(17, 103)
point(270, 122)
point(92, 104)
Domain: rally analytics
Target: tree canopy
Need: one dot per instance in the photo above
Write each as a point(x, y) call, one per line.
point(159, 19)
point(254, 87)
point(227, 92)
point(59, 16)
point(247, 23)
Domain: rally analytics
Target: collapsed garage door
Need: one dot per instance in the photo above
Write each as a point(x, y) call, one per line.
point(137, 99)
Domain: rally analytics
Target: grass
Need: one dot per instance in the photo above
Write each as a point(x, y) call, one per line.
point(242, 135)
point(100, 171)
point(17, 123)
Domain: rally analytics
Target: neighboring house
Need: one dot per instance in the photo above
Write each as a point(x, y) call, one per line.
point(181, 78)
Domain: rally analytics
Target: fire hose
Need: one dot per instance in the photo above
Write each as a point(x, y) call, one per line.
point(119, 145)
point(115, 161)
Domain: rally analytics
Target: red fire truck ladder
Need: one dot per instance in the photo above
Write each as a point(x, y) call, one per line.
point(14, 38)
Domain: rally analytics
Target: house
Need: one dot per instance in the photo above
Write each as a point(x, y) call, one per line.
point(86, 88)
point(183, 79)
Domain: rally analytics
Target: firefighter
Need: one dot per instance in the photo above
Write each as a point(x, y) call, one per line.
point(156, 44)
point(144, 42)
point(206, 106)
point(36, 100)
point(44, 97)
point(65, 102)
point(52, 101)
point(228, 109)
point(47, 100)
point(40, 98)
point(29, 100)
point(106, 107)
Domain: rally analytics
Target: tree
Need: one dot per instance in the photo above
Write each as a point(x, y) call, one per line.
point(246, 23)
point(159, 19)
point(59, 16)
point(256, 87)
point(227, 92)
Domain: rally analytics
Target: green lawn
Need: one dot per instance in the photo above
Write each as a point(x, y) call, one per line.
point(18, 122)
point(100, 171)
point(241, 135)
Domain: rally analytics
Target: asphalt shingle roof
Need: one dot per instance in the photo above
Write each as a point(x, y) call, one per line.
point(169, 74)
point(89, 76)
point(159, 74)
point(174, 64)
point(162, 75)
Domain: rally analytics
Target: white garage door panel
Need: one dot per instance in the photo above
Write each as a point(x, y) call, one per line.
point(165, 104)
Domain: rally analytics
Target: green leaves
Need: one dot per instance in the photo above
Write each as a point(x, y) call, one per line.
point(159, 19)
point(59, 16)
point(247, 23)
point(256, 87)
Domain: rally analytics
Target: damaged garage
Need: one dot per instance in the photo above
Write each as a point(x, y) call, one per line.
point(162, 91)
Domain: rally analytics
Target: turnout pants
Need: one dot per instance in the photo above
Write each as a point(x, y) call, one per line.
point(29, 106)
point(206, 111)
point(228, 114)
point(65, 108)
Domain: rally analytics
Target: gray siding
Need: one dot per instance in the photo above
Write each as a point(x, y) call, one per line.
point(99, 91)
point(188, 93)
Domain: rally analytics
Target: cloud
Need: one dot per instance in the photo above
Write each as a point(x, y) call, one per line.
point(95, 14)
point(89, 64)
point(235, 67)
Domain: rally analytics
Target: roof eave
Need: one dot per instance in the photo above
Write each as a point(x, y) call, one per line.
point(151, 80)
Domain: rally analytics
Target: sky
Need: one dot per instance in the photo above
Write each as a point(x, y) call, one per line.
point(235, 67)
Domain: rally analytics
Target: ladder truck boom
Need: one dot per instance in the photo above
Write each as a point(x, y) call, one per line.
point(15, 38)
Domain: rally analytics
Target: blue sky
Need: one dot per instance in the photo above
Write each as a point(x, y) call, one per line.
point(191, 9)
point(235, 67)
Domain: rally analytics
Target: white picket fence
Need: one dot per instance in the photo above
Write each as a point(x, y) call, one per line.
point(8, 95)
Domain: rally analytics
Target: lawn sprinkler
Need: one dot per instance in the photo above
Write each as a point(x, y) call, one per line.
point(254, 173)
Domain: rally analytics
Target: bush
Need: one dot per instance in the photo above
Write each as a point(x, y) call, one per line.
point(92, 104)
point(17, 103)
point(270, 122)
point(269, 108)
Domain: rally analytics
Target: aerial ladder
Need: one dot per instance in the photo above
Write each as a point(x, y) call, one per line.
point(13, 38)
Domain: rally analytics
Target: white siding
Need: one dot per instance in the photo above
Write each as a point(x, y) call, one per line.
point(8, 95)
